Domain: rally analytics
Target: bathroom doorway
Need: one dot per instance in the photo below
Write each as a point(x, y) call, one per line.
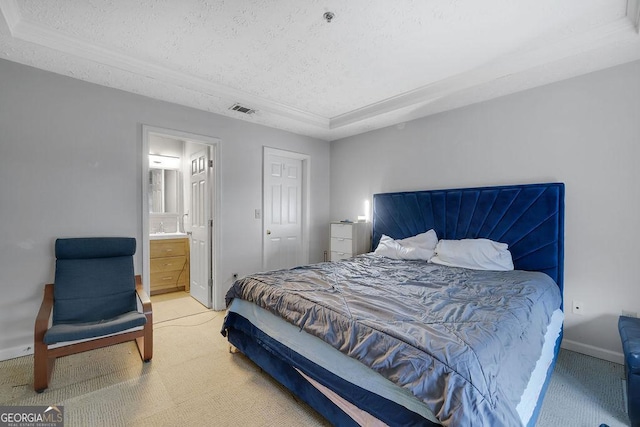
point(180, 213)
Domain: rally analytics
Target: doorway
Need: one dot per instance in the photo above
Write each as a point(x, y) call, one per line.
point(182, 208)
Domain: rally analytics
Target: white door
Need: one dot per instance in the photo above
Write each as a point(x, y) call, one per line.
point(201, 226)
point(282, 211)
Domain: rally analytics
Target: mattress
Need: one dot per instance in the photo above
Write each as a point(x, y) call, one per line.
point(322, 354)
point(462, 342)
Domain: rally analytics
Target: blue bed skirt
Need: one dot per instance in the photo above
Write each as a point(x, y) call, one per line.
point(280, 362)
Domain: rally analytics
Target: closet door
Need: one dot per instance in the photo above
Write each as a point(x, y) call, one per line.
point(282, 212)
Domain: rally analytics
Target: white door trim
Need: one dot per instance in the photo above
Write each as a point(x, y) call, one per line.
point(215, 143)
point(306, 187)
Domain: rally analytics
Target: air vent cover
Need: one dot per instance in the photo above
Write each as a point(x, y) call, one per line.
point(241, 109)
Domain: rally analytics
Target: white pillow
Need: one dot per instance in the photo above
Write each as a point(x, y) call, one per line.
point(387, 247)
point(475, 254)
point(427, 240)
point(419, 247)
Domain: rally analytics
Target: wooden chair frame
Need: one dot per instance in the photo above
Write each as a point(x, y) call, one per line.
point(44, 357)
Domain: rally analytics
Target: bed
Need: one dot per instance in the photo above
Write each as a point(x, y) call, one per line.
point(378, 341)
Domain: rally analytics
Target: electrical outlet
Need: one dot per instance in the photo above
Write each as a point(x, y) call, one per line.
point(577, 307)
point(629, 313)
point(257, 214)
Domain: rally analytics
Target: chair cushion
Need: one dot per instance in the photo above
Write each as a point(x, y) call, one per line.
point(95, 247)
point(94, 279)
point(629, 328)
point(79, 331)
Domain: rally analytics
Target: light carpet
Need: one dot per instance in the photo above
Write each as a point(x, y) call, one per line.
point(584, 392)
point(194, 380)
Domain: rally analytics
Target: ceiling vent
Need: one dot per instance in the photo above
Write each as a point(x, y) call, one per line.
point(241, 109)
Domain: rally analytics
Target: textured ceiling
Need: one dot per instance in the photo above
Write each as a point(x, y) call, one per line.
point(377, 63)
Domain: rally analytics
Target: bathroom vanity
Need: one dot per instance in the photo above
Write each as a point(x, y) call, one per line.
point(169, 264)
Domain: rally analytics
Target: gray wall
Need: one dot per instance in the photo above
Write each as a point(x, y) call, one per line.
point(584, 132)
point(71, 165)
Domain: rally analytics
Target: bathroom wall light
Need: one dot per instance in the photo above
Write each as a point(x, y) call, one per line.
point(157, 161)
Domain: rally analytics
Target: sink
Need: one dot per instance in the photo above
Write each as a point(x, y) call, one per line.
point(160, 236)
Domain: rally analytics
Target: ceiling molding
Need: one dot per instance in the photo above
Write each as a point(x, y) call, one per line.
point(11, 13)
point(504, 67)
point(517, 68)
point(29, 32)
point(633, 13)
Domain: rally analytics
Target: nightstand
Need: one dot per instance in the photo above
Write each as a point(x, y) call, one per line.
point(349, 239)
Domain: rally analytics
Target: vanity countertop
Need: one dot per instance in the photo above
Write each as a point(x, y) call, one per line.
point(162, 236)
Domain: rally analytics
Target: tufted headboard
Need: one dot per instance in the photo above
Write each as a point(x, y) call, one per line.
point(529, 218)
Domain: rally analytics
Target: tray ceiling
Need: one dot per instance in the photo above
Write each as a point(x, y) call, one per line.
point(377, 63)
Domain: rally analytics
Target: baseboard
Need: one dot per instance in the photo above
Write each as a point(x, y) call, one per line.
point(12, 353)
point(593, 351)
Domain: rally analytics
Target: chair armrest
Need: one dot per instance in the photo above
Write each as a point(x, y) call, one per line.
point(142, 296)
point(44, 314)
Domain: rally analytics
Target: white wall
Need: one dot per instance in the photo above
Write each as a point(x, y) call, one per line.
point(584, 132)
point(71, 165)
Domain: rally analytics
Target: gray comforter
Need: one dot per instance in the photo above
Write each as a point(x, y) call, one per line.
point(464, 342)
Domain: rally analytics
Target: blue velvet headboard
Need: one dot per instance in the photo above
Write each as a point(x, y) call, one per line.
point(529, 218)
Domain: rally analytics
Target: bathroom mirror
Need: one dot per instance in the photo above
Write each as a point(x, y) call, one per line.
point(164, 189)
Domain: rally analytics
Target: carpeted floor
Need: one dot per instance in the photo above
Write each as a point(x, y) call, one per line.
point(584, 392)
point(194, 380)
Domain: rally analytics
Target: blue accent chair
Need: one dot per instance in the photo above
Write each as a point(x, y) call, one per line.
point(96, 301)
point(629, 328)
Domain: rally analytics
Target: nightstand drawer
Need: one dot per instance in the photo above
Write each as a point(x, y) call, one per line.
point(339, 244)
point(337, 256)
point(344, 231)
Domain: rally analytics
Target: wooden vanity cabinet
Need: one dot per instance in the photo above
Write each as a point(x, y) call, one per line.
point(169, 265)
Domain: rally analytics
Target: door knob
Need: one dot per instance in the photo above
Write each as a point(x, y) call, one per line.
point(268, 231)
